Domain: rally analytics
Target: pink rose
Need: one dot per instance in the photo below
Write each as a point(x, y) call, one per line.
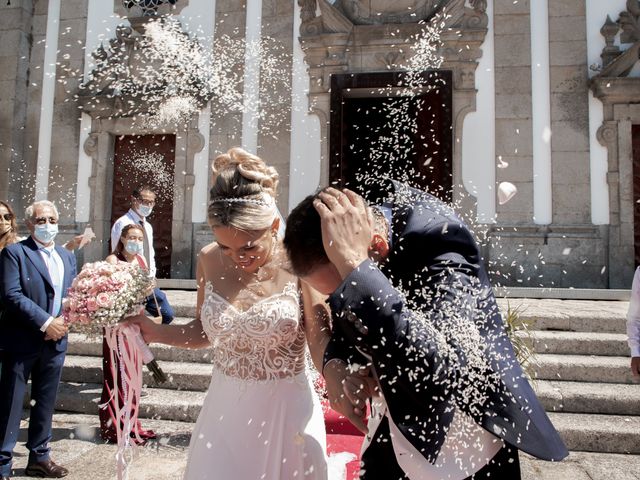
point(103, 300)
point(92, 305)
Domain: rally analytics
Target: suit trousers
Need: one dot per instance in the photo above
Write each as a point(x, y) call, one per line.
point(165, 308)
point(44, 367)
point(379, 461)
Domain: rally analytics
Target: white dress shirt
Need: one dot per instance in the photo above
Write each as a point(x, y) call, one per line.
point(466, 449)
point(131, 217)
point(47, 258)
point(633, 316)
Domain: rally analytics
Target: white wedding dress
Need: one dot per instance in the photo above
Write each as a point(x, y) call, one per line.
point(261, 418)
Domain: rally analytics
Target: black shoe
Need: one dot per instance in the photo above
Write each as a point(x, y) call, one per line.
point(46, 469)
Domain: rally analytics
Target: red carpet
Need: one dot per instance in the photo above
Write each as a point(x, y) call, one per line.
point(342, 436)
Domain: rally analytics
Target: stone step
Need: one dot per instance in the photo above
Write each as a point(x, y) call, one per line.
point(542, 314)
point(582, 432)
point(580, 343)
point(160, 403)
point(583, 368)
point(587, 397)
point(80, 344)
point(182, 375)
point(570, 315)
point(544, 341)
point(183, 302)
point(556, 396)
point(189, 369)
point(598, 433)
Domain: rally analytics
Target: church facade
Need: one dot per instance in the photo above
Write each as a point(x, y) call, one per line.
point(536, 97)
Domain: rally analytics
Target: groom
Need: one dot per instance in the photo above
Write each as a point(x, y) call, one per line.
point(411, 299)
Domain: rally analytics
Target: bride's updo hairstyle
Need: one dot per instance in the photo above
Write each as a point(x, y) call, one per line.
point(243, 192)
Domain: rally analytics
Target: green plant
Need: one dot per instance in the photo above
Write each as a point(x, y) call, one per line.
point(521, 336)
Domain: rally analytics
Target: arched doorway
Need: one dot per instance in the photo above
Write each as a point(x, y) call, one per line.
point(147, 160)
point(378, 129)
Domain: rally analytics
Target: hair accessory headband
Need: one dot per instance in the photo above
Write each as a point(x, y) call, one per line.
point(266, 201)
point(255, 201)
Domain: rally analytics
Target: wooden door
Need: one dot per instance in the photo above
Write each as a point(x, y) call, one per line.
point(635, 140)
point(147, 160)
point(375, 131)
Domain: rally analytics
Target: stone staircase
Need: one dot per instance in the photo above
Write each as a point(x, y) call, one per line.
point(583, 377)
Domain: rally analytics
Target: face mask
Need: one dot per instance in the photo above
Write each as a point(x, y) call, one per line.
point(5, 228)
point(133, 247)
point(45, 233)
point(145, 210)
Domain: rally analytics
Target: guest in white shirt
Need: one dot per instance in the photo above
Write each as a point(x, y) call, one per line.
point(633, 324)
point(143, 199)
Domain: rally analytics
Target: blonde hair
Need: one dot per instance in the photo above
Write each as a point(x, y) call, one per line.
point(243, 191)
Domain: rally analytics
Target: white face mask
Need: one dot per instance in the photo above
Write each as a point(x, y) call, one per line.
point(145, 210)
point(4, 228)
point(45, 233)
point(133, 247)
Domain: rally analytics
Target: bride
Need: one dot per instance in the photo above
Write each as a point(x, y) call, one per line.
point(261, 418)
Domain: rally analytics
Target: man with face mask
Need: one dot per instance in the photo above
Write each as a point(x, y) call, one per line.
point(143, 199)
point(34, 276)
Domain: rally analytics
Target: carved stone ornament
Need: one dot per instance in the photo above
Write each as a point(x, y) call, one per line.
point(113, 89)
point(612, 85)
point(375, 12)
point(339, 16)
point(617, 62)
point(145, 7)
point(630, 22)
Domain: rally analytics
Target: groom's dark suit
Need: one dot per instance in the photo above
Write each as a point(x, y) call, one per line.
point(27, 294)
point(435, 259)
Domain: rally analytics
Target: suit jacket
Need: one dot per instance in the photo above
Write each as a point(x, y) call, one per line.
point(436, 261)
point(27, 295)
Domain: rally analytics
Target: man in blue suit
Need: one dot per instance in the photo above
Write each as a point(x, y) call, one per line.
point(411, 300)
point(34, 276)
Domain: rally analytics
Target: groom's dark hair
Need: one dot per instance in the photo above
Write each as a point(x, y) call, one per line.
point(303, 238)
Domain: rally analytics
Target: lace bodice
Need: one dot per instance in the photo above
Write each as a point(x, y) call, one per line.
point(264, 342)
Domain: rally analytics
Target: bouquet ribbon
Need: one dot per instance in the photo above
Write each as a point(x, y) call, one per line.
point(128, 352)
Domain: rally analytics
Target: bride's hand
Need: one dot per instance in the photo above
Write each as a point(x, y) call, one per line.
point(146, 325)
point(359, 386)
point(335, 374)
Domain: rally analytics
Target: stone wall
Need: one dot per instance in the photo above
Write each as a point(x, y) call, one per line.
point(570, 252)
point(16, 43)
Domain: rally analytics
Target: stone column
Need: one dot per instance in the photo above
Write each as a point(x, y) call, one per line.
point(274, 143)
point(513, 107)
point(569, 112)
point(66, 117)
point(15, 37)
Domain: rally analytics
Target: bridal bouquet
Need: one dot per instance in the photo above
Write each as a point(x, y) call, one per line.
point(102, 295)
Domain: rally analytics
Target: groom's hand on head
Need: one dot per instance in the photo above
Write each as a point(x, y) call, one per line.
point(347, 228)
